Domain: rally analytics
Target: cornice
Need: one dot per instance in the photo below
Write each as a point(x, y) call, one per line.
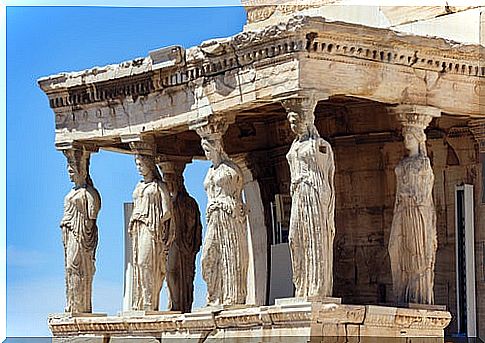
point(315, 37)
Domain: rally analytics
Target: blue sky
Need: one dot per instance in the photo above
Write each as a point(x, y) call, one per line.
point(47, 40)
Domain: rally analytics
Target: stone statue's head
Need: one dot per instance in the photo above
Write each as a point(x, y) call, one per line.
point(302, 125)
point(213, 149)
point(173, 175)
point(297, 124)
point(78, 166)
point(414, 139)
point(146, 167)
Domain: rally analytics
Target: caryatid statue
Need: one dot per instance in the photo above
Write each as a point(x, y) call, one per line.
point(79, 232)
point(188, 239)
point(151, 233)
point(312, 224)
point(225, 248)
point(413, 239)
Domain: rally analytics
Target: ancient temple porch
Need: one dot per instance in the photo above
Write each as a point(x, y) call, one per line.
point(361, 87)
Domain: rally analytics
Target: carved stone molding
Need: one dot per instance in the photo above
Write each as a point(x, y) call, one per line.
point(73, 145)
point(415, 115)
point(143, 145)
point(247, 38)
point(259, 13)
point(459, 132)
point(304, 104)
point(312, 316)
point(259, 10)
point(171, 166)
point(213, 127)
point(477, 128)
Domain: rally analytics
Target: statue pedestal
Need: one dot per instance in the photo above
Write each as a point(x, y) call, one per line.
point(301, 321)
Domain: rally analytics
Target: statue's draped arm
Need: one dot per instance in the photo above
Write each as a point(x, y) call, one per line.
point(148, 210)
point(80, 212)
point(330, 177)
point(93, 203)
point(426, 193)
point(167, 223)
point(88, 208)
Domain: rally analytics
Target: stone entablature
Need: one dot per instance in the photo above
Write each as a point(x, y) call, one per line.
point(265, 65)
point(209, 59)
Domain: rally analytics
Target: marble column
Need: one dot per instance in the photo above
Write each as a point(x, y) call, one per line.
point(225, 247)
point(312, 223)
point(188, 238)
point(257, 235)
point(79, 231)
point(151, 230)
point(413, 238)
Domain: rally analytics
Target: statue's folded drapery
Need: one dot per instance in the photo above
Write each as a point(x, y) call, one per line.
point(80, 238)
point(312, 226)
point(151, 236)
point(413, 243)
point(225, 251)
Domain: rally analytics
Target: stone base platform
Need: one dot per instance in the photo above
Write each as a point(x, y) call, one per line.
point(299, 321)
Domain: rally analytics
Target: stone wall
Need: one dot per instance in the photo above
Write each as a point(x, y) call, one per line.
point(365, 186)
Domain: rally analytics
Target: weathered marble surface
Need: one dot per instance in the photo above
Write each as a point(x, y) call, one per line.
point(104, 103)
point(152, 235)
point(301, 321)
point(79, 232)
point(413, 240)
point(258, 272)
point(187, 242)
point(225, 249)
point(312, 223)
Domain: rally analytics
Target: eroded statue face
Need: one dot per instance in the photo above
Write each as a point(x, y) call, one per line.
point(142, 167)
point(209, 150)
point(410, 142)
point(296, 124)
point(74, 174)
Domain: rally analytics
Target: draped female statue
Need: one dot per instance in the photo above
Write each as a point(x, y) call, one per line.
point(225, 249)
point(312, 227)
point(413, 242)
point(80, 233)
point(188, 239)
point(151, 235)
